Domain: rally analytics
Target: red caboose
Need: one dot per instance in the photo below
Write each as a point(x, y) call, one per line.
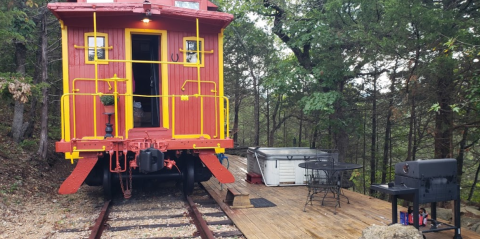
point(160, 63)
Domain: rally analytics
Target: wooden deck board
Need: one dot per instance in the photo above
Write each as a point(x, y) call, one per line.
point(288, 220)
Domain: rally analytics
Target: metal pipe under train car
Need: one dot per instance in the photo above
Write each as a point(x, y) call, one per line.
point(163, 77)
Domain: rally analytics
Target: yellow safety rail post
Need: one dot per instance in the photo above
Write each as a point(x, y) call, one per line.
point(220, 82)
point(201, 114)
point(115, 99)
point(62, 111)
point(227, 116)
point(173, 116)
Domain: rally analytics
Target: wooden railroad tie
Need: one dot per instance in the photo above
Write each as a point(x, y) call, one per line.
point(237, 199)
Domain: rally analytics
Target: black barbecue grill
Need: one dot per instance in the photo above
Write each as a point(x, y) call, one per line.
point(425, 181)
point(435, 179)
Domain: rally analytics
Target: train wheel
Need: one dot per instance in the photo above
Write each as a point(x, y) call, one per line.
point(107, 182)
point(188, 177)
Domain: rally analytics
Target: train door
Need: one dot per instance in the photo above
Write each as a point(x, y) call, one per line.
point(146, 80)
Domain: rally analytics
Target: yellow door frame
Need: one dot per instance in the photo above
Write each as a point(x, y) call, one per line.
point(128, 70)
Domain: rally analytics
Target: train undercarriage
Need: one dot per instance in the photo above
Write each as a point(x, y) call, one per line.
point(114, 161)
point(184, 167)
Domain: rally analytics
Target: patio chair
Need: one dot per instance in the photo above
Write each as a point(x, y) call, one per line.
point(322, 179)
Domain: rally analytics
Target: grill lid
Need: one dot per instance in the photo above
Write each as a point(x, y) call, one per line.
point(427, 168)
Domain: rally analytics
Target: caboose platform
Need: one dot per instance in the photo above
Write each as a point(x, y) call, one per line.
point(288, 220)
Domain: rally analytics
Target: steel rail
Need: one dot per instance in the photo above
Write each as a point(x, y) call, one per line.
point(200, 223)
point(99, 226)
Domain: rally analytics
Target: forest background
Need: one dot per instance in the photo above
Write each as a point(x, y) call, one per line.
point(382, 81)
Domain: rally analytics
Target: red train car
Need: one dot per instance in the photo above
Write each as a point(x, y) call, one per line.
point(160, 64)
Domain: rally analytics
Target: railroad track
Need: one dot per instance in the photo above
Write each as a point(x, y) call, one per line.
point(160, 212)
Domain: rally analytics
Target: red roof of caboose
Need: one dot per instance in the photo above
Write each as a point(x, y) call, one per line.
point(81, 8)
point(204, 4)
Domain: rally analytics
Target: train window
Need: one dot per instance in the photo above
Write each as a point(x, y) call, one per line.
point(190, 5)
point(190, 52)
point(102, 47)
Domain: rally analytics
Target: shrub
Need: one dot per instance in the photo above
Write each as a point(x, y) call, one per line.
point(107, 99)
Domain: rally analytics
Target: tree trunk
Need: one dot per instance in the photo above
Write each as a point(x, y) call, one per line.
point(269, 142)
point(313, 145)
point(364, 153)
point(276, 125)
point(373, 167)
point(236, 108)
point(388, 129)
point(411, 129)
point(300, 130)
point(43, 144)
point(256, 91)
point(32, 116)
point(461, 153)
point(18, 127)
point(256, 109)
point(444, 118)
point(416, 125)
point(475, 180)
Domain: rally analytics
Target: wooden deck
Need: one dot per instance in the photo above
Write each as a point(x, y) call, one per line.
point(288, 220)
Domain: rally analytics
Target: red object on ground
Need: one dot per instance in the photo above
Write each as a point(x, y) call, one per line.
point(254, 178)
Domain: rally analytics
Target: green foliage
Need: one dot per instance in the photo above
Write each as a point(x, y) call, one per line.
point(54, 132)
point(356, 178)
point(15, 24)
point(14, 187)
point(435, 107)
point(28, 144)
point(107, 99)
point(319, 101)
point(464, 191)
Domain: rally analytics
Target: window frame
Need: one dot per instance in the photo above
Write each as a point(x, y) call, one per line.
point(201, 51)
point(186, 1)
point(87, 47)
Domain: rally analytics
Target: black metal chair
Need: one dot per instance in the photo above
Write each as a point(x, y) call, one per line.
point(322, 179)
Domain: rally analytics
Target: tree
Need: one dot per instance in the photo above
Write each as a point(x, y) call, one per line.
point(43, 144)
point(16, 29)
point(249, 55)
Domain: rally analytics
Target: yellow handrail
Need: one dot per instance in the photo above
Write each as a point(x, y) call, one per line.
point(215, 91)
point(114, 78)
point(173, 112)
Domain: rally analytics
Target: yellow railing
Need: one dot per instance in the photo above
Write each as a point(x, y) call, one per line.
point(172, 109)
point(115, 79)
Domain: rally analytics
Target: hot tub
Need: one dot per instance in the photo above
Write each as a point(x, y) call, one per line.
point(279, 166)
